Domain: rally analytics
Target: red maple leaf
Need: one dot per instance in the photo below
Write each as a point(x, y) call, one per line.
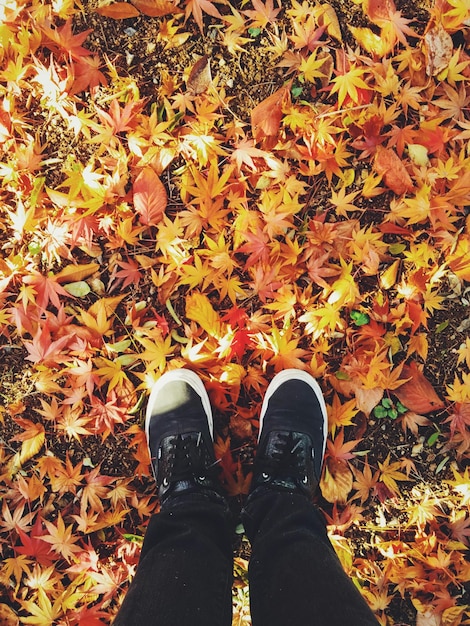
point(32, 545)
point(63, 40)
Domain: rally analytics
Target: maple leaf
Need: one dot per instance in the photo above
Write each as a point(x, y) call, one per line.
point(197, 8)
point(43, 350)
point(364, 481)
point(87, 74)
point(244, 153)
point(63, 40)
point(350, 84)
point(47, 289)
point(42, 612)
point(340, 414)
point(17, 519)
point(263, 14)
point(389, 474)
point(32, 544)
point(256, 246)
point(95, 490)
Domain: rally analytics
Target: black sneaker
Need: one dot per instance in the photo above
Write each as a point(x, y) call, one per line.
point(292, 435)
point(179, 430)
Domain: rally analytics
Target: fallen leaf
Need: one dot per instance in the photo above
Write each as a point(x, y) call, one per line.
point(266, 116)
point(337, 481)
point(7, 616)
point(438, 48)
point(200, 76)
point(417, 394)
point(150, 197)
point(156, 8)
point(428, 619)
point(118, 10)
point(390, 167)
point(74, 273)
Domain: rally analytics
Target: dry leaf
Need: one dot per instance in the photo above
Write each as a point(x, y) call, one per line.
point(438, 49)
point(390, 167)
point(74, 273)
point(379, 10)
point(417, 394)
point(200, 76)
point(329, 19)
point(118, 10)
point(156, 8)
point(337, 481)
point(428, 619)
point(200, 310)
point(7, 616)
point(150, 197)
point(266, 116)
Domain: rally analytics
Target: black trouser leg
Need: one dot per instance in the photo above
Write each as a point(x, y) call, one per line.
point(295, 575)
point(184, 576)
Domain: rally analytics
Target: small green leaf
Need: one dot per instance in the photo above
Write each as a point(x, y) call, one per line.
point(296, 91)
point(79, 289)
point(380, 411)
point(387, 403)
point(433, 438)
point(254, 32)
point(133, 538)
point(34, 247)
point(360, 319)
point(393, 414)
point(396, 248)
point(342, 375)
point(442, 326)
point(401, 408)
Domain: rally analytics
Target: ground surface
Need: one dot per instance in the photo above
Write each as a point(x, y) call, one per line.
point(235, 289)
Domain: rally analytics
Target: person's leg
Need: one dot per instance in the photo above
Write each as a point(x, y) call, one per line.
point(295, 575)
point(184, 576)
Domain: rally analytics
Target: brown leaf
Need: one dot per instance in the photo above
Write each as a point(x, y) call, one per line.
point(266, 116)
point(118, 10)
point(200, 76)
point(438, 49)
point(417, 394)
point(7, 616)
point(388, 164)
point(337, 481)
point(379, 10)
point(156, 8)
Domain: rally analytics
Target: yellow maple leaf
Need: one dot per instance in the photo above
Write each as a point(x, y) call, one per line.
point(340, 414)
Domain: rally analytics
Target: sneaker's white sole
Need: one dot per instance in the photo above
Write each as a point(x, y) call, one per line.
point(180, 375)
point(290, 374)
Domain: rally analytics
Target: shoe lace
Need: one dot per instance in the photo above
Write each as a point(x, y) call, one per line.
point(187, 458)
point(285, 459)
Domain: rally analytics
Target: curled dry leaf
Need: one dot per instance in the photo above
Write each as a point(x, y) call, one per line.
point(200, 76)
point(390, 167)
point(337, 481)
point(438, 48)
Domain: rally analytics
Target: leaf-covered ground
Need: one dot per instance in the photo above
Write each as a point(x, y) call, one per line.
point(236, 188)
